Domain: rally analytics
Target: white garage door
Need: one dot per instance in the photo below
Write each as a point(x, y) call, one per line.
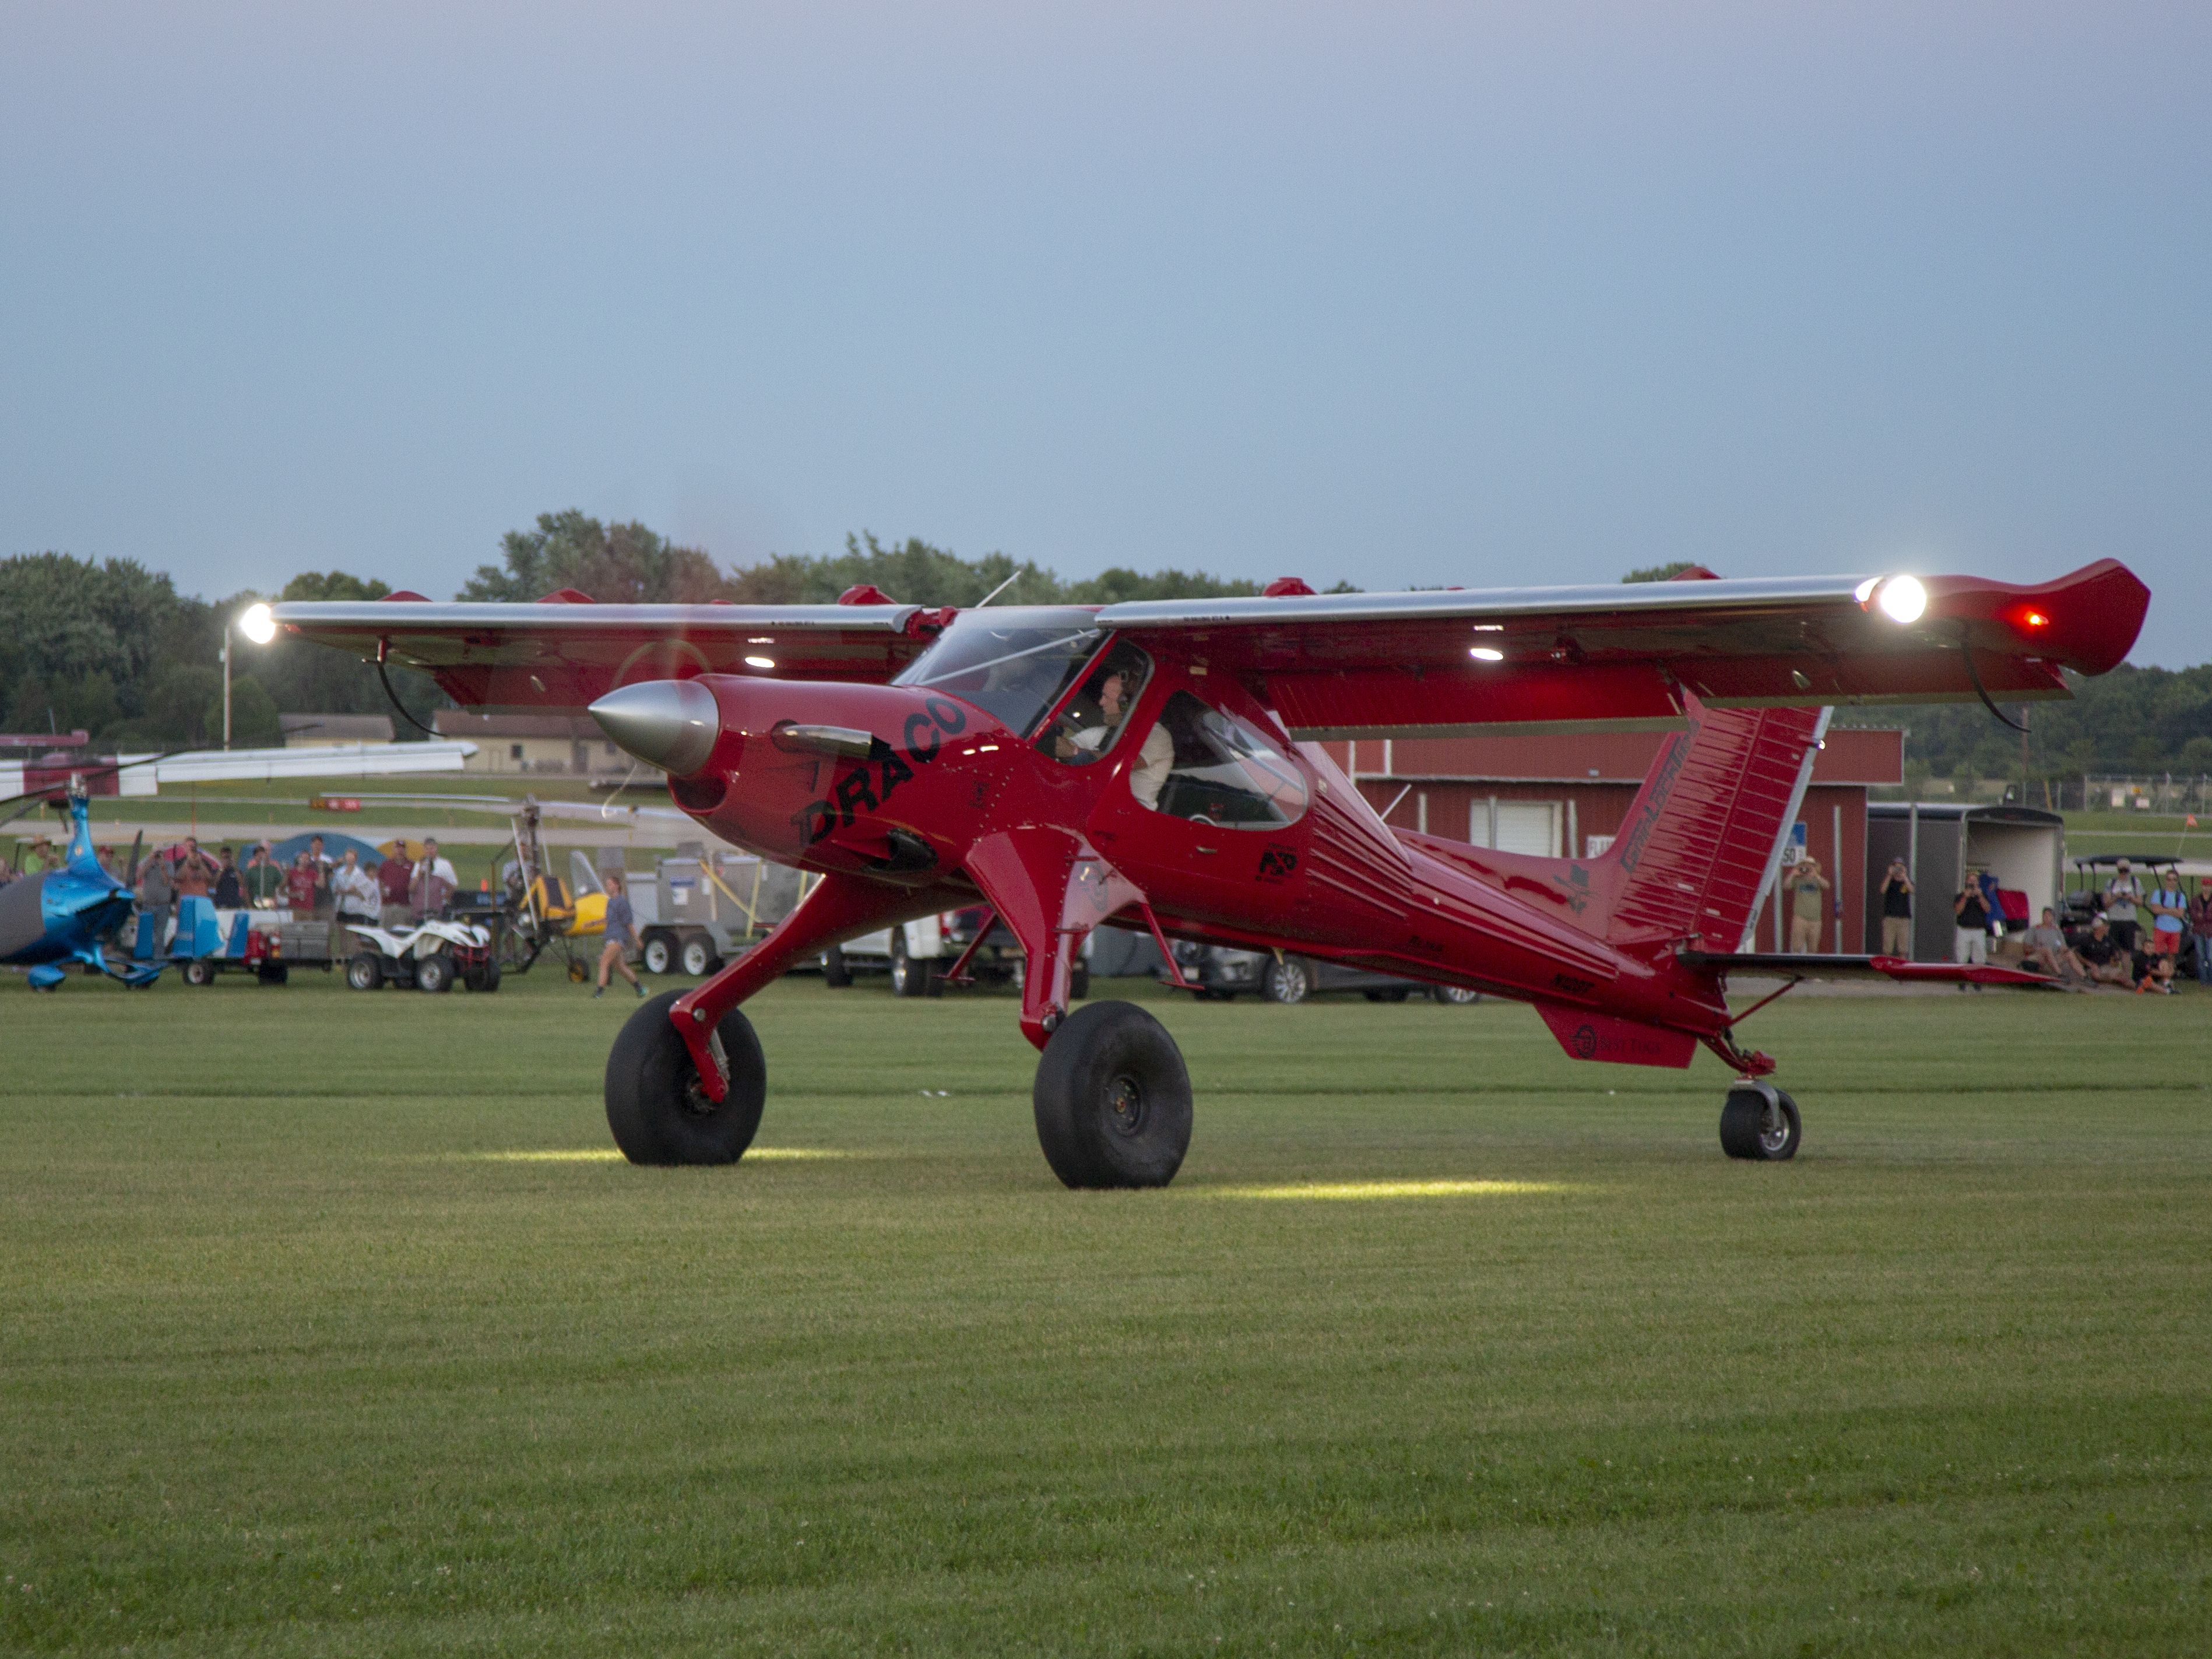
point(1523, 826)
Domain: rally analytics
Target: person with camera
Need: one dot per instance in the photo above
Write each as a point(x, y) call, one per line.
point(1897, 911)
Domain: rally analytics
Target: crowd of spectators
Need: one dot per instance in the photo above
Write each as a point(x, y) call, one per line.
point(393, 891)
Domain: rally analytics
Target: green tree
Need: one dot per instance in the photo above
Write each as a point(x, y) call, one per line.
point(1661, 573)
point(615, 564)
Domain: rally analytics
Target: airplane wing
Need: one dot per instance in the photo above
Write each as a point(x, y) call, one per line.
point(562, 654)
point(1468, 660)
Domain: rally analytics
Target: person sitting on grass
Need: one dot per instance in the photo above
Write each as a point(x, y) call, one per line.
point(2044, 947)
point(622, 935)
point(2158, 976)
point(2101, 954)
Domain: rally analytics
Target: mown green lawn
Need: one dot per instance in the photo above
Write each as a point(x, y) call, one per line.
point(328, 1326)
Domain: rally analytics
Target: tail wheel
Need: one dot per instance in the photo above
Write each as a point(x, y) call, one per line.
point(657, 1109)
point(1287, 981)
point(1759, 1123)
point(1113, 1099)
point(364, 972)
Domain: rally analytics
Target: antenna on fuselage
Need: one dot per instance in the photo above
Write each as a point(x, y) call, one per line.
point(999, 589)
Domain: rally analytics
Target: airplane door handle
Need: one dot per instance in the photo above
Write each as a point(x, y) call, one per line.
point(1209, 850)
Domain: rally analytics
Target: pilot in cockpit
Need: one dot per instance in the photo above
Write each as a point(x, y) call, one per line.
point(1093, 718)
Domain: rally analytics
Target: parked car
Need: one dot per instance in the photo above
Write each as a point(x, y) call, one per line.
point(1223, 974)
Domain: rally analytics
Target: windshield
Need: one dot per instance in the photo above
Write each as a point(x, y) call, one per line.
point(1012, 663)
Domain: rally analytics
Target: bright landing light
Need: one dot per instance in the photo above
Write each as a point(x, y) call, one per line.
point(258, 623)
point(1903, 598)
point(1484, 654)
point(760, 662)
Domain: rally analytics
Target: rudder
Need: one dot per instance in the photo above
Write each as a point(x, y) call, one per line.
point(1703, 840)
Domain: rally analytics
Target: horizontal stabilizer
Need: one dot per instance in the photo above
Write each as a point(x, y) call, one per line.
point(1845, 967)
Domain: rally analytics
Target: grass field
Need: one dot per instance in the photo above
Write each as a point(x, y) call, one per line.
point(327, 1326)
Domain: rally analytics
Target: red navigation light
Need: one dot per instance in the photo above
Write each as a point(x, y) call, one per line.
point(2027, 618)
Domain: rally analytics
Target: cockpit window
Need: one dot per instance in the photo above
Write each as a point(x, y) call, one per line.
point(1224, 770)
point(1015, 664)
point(1090, 721)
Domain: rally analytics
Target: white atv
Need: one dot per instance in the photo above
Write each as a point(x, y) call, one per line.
point(430, 956)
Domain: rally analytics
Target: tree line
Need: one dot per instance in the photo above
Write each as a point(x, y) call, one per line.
point(114, 648)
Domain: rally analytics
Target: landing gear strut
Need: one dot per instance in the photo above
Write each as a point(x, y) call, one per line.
point(1759, 1122)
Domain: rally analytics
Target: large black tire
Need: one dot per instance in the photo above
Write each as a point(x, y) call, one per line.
point(834, 974)
point(275, 974)
point(1113, 1099)
point(910, 976)
point(1287, 981)
point(698, 958)
point(483, 977)
point(1758, 1121)
point(1078, 981)
point(364, 972)
point(658, 956)
point(655, 1106)
point(434, 973)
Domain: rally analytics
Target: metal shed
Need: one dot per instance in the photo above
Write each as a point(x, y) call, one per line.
point(2022, 847)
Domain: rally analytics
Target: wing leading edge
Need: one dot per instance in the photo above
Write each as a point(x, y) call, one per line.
point(1367, 664)
point(1350, 665)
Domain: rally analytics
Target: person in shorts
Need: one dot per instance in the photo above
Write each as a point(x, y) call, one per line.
point(1807, 888)
point(2100, 953)
point(622, 937)
point(2169, 917)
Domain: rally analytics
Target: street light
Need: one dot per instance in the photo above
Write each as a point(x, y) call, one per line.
point(257, 623)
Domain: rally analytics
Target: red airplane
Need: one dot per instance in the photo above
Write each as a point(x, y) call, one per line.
point(1155, 765)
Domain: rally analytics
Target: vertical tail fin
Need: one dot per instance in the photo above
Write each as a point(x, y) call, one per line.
point(1703, 841)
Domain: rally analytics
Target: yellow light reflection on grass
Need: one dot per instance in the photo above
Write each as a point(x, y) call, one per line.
point(1353, 1189)
point(613, 1155)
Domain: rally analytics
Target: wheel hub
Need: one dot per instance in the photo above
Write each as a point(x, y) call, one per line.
point(1773, 1127)
point(1125, 1105)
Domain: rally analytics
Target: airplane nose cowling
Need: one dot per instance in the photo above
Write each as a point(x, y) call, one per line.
point(671, 724)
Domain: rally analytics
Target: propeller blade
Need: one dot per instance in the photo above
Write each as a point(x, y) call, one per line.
point(137, 842)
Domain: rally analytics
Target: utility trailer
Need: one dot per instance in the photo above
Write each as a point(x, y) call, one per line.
point(706, 909)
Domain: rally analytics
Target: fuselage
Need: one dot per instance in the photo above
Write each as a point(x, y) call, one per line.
point(1239, 836)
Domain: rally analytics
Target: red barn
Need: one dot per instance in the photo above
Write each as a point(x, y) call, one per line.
point(1564, 796)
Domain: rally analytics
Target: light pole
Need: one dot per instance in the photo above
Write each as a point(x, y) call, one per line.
point(257, 625)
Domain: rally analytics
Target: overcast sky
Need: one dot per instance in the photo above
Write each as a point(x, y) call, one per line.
point(1404, 295)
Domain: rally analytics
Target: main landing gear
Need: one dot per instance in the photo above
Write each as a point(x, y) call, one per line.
point(656, 1106)
point(1112, 1099)
point(1759, 1122)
